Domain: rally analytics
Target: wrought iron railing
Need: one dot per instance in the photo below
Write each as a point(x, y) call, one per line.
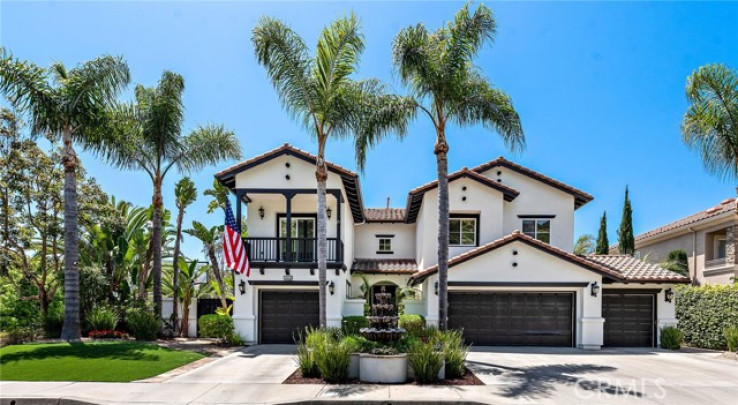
point(304, 250)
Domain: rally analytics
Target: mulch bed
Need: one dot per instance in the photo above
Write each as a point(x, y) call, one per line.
point(467, 379)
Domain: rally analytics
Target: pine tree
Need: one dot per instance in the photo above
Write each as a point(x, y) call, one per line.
point(626, 241)
point(603, 244)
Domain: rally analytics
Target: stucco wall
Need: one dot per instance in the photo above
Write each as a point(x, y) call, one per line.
point(367, 243)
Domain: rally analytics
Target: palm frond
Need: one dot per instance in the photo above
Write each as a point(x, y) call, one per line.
point(337, 56)
point(466, 35)
point(206, 145)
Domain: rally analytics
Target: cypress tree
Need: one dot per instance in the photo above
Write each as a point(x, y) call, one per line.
point(626, 241)
point(603, 245)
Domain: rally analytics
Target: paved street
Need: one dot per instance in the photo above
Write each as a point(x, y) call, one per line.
point(511, 375)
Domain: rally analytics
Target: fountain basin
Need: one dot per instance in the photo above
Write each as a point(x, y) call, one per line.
point(383, 368)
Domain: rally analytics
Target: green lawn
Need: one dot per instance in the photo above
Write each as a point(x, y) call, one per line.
point(112, 362)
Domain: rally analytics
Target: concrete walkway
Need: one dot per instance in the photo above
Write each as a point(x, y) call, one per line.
point(512, 375)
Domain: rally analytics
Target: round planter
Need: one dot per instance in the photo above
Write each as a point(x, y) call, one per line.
point(354, 365)
point(383, 368)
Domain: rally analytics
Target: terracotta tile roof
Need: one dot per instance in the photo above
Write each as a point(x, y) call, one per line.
point(285, 147)
point(385, 266)
point(725, 206)
point(580, 197)
point(518, 236)
point(384, 214)
point(634, 269)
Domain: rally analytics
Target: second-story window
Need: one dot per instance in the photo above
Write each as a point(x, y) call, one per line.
point(462, 231)
point(538, 228)
point(385, 245)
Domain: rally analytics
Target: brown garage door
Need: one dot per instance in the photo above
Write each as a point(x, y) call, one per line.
point(501, 318)
point(629, 319)
point(285, 313)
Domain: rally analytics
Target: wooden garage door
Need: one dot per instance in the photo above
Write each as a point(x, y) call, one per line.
point(629, 319)
point(285, 313)
point(501, 318)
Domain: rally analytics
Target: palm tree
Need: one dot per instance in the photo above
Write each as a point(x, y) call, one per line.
point(319, 93)
point(147, 135)
point(185, 194)
point(67, 104)
point(585, 245)
point(710, 126)
point(448, 88)
point(190, 287)
point(211, 239)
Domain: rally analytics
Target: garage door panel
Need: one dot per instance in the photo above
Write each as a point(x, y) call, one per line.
point(501, 318)
point(629, 319)
point(283, 314)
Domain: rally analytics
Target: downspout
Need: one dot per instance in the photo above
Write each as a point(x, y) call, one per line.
point(694, 256)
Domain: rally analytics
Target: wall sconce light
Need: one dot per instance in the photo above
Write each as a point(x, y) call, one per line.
point(261, 212)
point(332, 287)
point(594, 289)
point(242, 287)
point(668, 295)
point(329, 212)
point(436, 287)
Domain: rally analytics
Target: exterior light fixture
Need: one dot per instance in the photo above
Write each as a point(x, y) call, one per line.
point(261, 212)
point(669, 295)
point(594, 289)
point(242, 287)
point(328, 212)
point(332, 287)
point(436, 287)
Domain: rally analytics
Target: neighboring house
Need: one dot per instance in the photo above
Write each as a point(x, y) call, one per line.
point(513, 279)
point(709, 238)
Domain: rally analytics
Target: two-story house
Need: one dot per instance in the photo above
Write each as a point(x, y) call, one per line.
point(708, 237)
point(513, 279)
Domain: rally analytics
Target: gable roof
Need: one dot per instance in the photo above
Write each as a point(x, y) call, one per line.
point(384, 214)
point(605, 271)
point(637, 270)
point(385, 266)
point(727, 206)
point(415, 196)
point(580, 197)
point(350, 179)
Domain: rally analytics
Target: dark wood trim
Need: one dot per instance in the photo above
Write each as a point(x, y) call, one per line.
point(517, 284)
point(389, 252)
point(547, 216)
point(631, 290)
point(295, 265)
point(283, 283)
point(467, 216)
point(382, 235)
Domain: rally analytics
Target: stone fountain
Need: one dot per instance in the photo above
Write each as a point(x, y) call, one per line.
point(383, 368)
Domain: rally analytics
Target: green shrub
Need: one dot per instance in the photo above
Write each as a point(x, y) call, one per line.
point(405, 342)
point(451, 343)
point(143, 324)
point(425, 361)
point(731, 337)
point(353, 343)
point(306, 361)
point(102, 318)
point(704, 312)
point(216, 326)
point(53, 323)
point(333, 359)
point(413, 324)
point(350, 325)
point(671, 338)
point(20, 334)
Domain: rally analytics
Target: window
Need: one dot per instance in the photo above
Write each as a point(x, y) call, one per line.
point(538, 228)
point(385, 245)
point(463, 231)
point(721, 244)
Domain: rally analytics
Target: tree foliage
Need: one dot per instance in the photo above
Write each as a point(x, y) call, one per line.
point(603, 244)
point(626, 240)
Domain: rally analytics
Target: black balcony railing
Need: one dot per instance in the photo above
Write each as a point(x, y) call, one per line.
point(302, 250)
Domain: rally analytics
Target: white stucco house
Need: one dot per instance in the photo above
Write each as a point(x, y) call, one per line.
point(513, 279)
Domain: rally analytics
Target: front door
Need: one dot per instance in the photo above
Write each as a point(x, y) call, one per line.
point(303, 238)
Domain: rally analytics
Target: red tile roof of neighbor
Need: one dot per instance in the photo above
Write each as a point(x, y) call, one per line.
point(385, 266)
point(580, 197)
point(384, 214)
point(637, 270)
point(726, 206)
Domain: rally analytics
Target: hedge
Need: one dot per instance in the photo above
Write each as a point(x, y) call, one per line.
point(351, 324)
point(414, 324)
point(705, 312)
point(216, 326)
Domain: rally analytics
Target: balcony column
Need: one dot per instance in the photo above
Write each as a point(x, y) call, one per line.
point(339, 242)
point(239, 200)
point(288, 221)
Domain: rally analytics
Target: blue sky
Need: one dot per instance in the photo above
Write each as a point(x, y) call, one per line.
point(599, 88)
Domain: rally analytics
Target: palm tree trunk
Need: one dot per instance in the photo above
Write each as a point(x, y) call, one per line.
point(71, 329)
point(156, 245)
point(175, 274)
point(321, 175)
point(441, 151)
point(218, 277)
point(185, 317)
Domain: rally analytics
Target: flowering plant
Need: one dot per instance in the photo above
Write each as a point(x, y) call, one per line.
point(108, 334)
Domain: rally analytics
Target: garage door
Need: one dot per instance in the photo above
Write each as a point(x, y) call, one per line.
point(285, 313)
point(531, 319)
point(629, 319)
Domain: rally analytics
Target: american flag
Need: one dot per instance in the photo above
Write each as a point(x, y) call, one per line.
point(233, 249)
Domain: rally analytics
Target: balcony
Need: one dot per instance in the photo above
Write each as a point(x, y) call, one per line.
point(292, 252)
